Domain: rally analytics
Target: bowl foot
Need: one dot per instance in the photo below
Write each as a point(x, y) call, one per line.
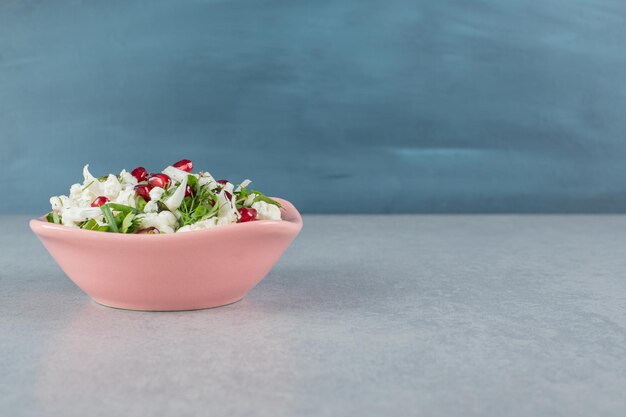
point(119, 306)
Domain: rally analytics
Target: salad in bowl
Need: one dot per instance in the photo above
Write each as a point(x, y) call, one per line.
point(216, 239)
point(174, 200)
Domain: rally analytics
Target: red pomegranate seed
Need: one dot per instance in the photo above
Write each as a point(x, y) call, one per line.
point(189, 191)
point(247, 215)
point(159, 180)
point(140, 173)
point(184, 165)
point(148, 231)
point(99, 201)
point(143, 191)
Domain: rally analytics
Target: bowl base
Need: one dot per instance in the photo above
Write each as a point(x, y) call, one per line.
point(156, 310)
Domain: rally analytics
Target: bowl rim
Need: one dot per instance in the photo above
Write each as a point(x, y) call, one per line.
point(291, 222)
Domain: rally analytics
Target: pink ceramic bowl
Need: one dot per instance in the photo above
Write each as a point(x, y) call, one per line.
point(185, 271)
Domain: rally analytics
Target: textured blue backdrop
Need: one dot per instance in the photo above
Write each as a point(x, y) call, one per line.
point(339, 106)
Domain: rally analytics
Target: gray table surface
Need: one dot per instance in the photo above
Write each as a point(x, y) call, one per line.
point(363, 316)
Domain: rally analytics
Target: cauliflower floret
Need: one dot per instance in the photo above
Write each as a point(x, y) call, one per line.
point(207, 224)
point(177, 174)
point(59, 203)
point(165, 221)
point(126, 197)
point(175, 200)
point(91, 184)
point(87, 175)
point(73, 215)
point(201, 225)
point(128, 180)
point(249, 200)
point(265, 211)
point(80, 196)
point(243, 184)
point(156, 193)
point(228, 187)
point(151, 207)
point(227, 207)
point(66, 220)
point(111, 187)
point(206, 178)
point(223, 221)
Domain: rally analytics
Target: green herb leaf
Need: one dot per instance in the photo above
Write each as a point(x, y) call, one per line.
point(169, 191)
point(212, 212)
point(200, 212)
point(262, 197)
point(123, 208)
point(241, 196)
point(140, 203)
point(127, 224)
point(53, 217)
point(92, 224)
point(108, 215)
point(88, 224)
point(203, 205)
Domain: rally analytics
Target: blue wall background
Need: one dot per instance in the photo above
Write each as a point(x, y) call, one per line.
point(339, 106)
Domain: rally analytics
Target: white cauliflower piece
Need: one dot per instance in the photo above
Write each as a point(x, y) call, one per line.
point(72, 215)
point(249, 200)
point(165, 221)
point(111, 187)
point(177, 174)
point(128, 181)
point(156, 193)
point(206, 178)
point(243, 184)
point(91, 183)
point(265, 211)
point(227, 207)
point(201, 225)
point(80, 197)
point(176, 199)
point(126, 197)
point(59, 203)
point(151, 207)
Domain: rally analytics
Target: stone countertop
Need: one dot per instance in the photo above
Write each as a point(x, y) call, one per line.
point(363, 316)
